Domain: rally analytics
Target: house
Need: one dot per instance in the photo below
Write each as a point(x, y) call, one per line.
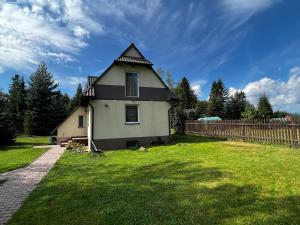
point(126, 106)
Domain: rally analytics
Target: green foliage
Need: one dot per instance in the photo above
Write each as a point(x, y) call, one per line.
point(217, 98)
point(235, 106)
point(76, 147)
point(7, 128)
point(186, 95)
point(201, 108)
point(193, 181)
point(279, 114)
point(77, 98)
point(250, 111)
point(16, 105)
point(264, 108)
point(40, 106)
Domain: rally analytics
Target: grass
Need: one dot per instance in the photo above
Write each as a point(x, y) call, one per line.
point(195, 181)
point(21, 153)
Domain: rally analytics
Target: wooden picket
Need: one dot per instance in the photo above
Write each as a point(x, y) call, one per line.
point(266, 131)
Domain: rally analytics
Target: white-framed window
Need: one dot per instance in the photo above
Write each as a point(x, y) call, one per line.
point(132, 114)
point(131, 84)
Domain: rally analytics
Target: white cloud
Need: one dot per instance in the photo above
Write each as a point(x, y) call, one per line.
point(197, 87)
point(247, 6)
point(283, 95)
point(70, 81)
point(31, 31)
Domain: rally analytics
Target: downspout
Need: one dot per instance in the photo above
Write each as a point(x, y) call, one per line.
point(92, 120)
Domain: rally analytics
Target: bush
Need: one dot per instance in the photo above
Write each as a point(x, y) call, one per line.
point(76, 147)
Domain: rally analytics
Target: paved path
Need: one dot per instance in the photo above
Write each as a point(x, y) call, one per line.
point(22, 181)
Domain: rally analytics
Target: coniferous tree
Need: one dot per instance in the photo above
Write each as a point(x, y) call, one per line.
point(16, 102)
point(235, 106)
point(185, 94)
point(7, 129)
point(39, 114)
point(201, 108)
point(217, 98)
point(76, 99)
point(264, 108)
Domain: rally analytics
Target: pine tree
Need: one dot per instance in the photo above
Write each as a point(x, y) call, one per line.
point(16, 102)
point(235, 106)
point(217, 98)
point(264, 108)
point(169, 80)
point(7, 129)
point(39, 114)
point(76, 99)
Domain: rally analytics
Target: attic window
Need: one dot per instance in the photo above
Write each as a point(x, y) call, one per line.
point(131, 85)
point(80, 121)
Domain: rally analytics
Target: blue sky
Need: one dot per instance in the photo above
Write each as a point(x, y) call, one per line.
point(251, 45)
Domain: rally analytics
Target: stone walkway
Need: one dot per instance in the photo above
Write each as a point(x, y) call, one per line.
point(22, 181)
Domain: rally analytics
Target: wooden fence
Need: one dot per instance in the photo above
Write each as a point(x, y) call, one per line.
point(277, 132)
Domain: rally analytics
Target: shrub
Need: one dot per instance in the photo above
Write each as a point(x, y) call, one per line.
point(76, 147)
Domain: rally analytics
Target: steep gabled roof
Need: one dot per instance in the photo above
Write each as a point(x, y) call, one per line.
point(124, 58)
point(136, 58)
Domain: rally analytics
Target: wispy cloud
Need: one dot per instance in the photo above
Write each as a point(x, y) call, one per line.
point(70, 81)
point(283, 95)
point(197, 87)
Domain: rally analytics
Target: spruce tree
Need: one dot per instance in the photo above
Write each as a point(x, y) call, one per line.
point(16, 102)
point(7, 129)
point(39, 113)
point(235, 106)
point(186, 95)
point(201, 108)
point(264, 108)
point(76, 99)
point(217, 98)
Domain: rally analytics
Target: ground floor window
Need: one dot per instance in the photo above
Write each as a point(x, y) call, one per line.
point(132, 114)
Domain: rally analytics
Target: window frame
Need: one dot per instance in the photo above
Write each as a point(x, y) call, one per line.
point(80, 116)
point(138, 84)
point(138, 115)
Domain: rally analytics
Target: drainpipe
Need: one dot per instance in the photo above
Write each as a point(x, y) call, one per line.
point(92, 121)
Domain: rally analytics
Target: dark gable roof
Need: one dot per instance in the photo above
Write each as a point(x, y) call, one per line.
point(133, 60)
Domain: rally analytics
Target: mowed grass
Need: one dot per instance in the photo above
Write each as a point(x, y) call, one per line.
point(21, 153)
point(195, 181)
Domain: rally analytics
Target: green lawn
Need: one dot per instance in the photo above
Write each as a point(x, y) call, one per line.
point(21, 153)
point(196, 181)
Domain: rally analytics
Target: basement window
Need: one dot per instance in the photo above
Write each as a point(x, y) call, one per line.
point(80, 121)
point(132, 144)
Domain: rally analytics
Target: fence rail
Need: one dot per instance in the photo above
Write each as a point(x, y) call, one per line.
point(277, 132)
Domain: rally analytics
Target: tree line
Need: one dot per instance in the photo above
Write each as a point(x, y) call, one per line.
point(219, 104)
point(35, 108)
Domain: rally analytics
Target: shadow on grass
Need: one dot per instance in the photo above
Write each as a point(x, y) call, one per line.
point(159, 193)
point(188, 139)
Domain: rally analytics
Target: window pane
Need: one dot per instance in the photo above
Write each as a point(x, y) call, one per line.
point(80, 121)
point(131, 84)
point(132, 113)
